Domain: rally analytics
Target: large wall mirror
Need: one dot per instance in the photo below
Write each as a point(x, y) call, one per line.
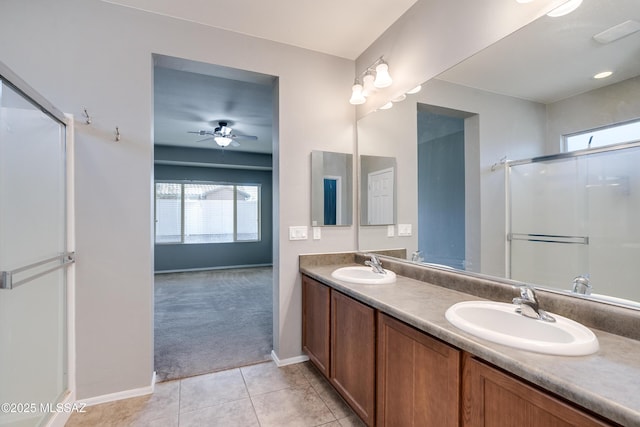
point(331, 188)
point(456, 141)
point(377, 190)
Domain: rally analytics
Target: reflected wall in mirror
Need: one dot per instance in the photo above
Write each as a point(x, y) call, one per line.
point(377, 190)
point(331, 188)
point(495, 107)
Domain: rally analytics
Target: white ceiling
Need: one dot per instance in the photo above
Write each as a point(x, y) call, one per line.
point(555, 58)
point(192, 96)
point(342, 28)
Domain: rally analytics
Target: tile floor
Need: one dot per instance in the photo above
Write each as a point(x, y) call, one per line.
point(257, 395)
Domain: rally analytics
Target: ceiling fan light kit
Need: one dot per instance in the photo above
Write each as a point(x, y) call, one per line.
point(223, 135)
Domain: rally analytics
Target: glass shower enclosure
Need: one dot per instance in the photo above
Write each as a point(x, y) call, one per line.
point(576, 214)
point(34, 256)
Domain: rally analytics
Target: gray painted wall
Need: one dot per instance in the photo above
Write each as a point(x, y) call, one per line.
point(89, 53)
point(94, 54)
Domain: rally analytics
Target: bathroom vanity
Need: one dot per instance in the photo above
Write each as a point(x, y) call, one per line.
point(390, 352)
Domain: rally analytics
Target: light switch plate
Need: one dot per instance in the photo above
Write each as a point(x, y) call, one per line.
point(317, 234)
point(391, 230)
point(404, 229)
point(298, 232)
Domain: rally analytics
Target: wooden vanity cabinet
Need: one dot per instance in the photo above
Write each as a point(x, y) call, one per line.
point(418, 381)
point(494, 398)
point(352, 365)
point(338, 335)
point(316, 305)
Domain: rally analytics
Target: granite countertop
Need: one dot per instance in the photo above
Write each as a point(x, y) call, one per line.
point(607, 382)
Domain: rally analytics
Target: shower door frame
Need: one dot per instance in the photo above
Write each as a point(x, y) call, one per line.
point(59, 418)
point(559, 156)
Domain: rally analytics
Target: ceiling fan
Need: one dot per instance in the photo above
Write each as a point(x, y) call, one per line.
point(223, 135)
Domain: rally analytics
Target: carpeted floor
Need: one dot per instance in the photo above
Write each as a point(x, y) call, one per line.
point(212, 320)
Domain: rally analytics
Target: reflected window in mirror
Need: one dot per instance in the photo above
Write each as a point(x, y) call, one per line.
point(609, 135)
point(331, 189)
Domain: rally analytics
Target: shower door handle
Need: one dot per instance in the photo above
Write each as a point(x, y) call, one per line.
point(7, 277)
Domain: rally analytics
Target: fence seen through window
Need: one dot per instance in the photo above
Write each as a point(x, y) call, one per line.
point(207, 213)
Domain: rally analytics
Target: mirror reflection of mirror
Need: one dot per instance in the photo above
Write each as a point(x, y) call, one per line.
point(331, 189)
point(377, 190)
point(492, 109)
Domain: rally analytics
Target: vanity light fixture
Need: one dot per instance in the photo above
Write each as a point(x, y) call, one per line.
point(387, 106)
point(399, 98)
point(383, 78)
point(367, 83)
point(357, 97)
point(415, 90)
point(375, 76)
point(565, 8)
point(603, 75)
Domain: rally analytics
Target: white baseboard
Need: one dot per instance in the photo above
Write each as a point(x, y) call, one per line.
point(126, 394)
point(289, 361)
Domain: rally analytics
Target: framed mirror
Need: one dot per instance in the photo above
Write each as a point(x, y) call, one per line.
point(377, 190)
point(500, 110)
point(331, 189)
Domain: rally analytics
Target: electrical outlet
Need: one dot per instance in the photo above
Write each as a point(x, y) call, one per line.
point(391, 230)
point(404, 229)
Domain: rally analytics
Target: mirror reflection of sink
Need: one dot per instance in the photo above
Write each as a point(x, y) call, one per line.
point(499, 322)
point(363, 275)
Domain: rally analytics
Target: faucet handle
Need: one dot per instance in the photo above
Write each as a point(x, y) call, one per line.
point(527, 293)
point(374, 258)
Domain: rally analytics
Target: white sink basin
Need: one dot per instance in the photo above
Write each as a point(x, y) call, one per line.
point(363, 275)
point(498, 322)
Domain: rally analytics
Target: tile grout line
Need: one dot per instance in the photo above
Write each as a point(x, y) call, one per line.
point(250, 397)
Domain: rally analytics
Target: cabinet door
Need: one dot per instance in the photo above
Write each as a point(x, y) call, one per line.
point(493, 398)
point(353, 354)
point(316, 303)
point(418, 377)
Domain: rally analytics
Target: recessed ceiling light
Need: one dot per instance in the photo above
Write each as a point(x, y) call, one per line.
point(415, 90)
point(387, 106)
point(399, 98)
point(603, 75)
point(565, 8)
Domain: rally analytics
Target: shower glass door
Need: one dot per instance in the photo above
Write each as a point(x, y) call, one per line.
point(33, 256)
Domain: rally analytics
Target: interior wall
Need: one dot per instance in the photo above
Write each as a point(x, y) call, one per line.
point(99, 56)
point(601, 107)
point(505, 126)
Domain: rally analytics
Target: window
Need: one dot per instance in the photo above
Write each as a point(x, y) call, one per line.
point(610, 135)
point(207, 213)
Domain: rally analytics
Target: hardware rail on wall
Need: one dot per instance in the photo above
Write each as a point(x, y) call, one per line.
point(88, 120)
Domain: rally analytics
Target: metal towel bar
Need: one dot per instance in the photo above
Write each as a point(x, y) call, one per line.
point(550, 238)
point(6, 277)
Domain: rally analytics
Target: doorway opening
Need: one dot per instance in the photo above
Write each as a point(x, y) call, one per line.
point(443, 148)
point(214, 216)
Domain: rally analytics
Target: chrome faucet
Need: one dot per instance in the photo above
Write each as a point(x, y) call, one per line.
point(529, 306)
point(581, 285)
point(375, 264)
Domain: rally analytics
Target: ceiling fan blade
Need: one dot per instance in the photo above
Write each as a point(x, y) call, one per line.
point(205, 139)
point(244, 137)
point(235, 144)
